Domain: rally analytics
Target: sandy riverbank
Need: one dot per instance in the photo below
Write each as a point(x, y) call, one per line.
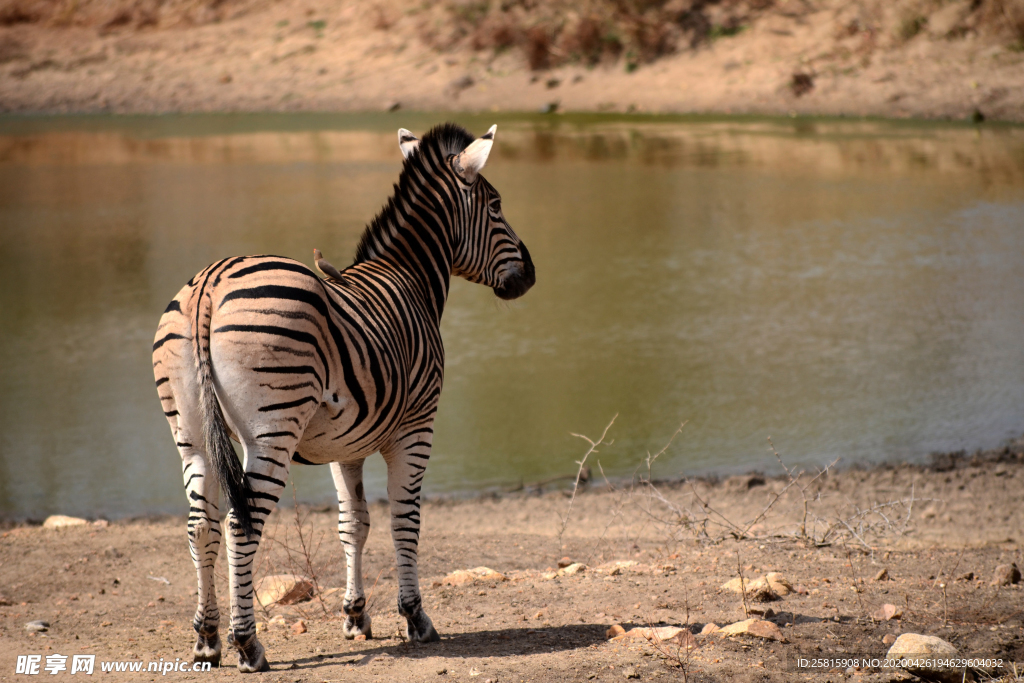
point(125, 591)
point(910, 58)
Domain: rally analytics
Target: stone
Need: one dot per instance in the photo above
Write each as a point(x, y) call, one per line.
point(478, 575)
point(361, 636)
point(888, 639)
point(564, 562)
point(101, 523)
point(299, 627)
point(754, 627)
point(39, 626)
point(967, 576)
point(572, 569)
point(61, 521)
point(652, 633)
point(779, 584)
point(112, 553)
point(887, 612)
point(277, 620)
point(765, 589)
point(614, 631)
point(913, 650)
point(1006, 575)
point(709, 628)
point(261, 626)
point(882, 575)
point(630, 673)
point(684, 639)
point(283, 589)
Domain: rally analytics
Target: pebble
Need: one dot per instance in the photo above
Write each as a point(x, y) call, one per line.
point(710, 627)
point(888, 639)
point(37, 626)
point(299, 627)
point(883, 575)
point(1006, 575)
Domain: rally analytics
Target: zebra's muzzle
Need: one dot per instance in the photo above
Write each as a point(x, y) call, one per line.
point(518, 282)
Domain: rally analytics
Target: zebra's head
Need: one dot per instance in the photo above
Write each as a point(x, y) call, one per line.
point(485, 249)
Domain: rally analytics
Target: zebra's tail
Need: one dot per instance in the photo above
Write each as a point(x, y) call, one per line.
point(216, 439)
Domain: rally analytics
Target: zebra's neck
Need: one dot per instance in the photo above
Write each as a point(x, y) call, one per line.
point(411, 236)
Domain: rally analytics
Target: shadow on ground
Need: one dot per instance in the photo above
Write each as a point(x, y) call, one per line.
point(500, 643)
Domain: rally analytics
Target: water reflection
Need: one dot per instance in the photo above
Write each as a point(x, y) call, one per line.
point(851, 288)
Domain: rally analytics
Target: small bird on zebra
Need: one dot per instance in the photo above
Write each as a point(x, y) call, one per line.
point(310, 370)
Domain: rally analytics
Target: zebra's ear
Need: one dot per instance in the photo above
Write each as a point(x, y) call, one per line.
point(472, 159)
point(407, 142)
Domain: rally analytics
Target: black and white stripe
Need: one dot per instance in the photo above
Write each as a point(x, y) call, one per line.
point(302, 369)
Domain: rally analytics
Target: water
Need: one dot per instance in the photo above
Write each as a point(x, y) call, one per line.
point(852, 289)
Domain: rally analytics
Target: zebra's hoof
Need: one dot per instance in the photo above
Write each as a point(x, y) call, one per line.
point(419, 628)
point(252, 658)
point(357, 625)
point(207, 649)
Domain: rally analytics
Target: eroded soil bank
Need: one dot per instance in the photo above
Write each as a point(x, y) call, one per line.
point(957, 59)
point(652, 556)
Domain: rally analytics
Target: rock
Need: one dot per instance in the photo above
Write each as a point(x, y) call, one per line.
point(1006, 575)
point(572, 569)
point(564, 562)
point(101, 523)
point(754, 627)
point(630, 673)
point(39, 626)
point(299, 627)
point(283, 589)
point(888, 639)
point(5, 601)
point(654, 633)
point(61, 521)
point(277, 620)
point(614, 631)
point(684, 639)
point(968, 576)
point(779, 584)
point(887, 612)
point(479, 574)
point(361, 636)
point(112, 553)
point(913, 650)
point(261, 626)
point(883, 575)
point(765, 589)
point(709, 628)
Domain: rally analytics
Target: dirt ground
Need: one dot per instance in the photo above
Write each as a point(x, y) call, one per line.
point(654, 554)
point(895, 58)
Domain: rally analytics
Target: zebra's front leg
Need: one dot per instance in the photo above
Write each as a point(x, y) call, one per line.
point(204, 543)
point(407, 463)
point(353, 528)
point(267, 470)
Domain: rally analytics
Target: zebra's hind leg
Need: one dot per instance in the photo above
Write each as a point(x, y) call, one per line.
point(353, 528)
point(266, 467)
point(204, 542)
point(407, 463)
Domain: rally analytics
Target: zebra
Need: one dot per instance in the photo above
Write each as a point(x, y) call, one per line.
point(300, 369)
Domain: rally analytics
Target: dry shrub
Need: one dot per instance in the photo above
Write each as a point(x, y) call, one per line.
point(110, 15)
point(589, 31)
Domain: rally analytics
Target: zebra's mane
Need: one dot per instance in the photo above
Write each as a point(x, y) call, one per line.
point(439, 142)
